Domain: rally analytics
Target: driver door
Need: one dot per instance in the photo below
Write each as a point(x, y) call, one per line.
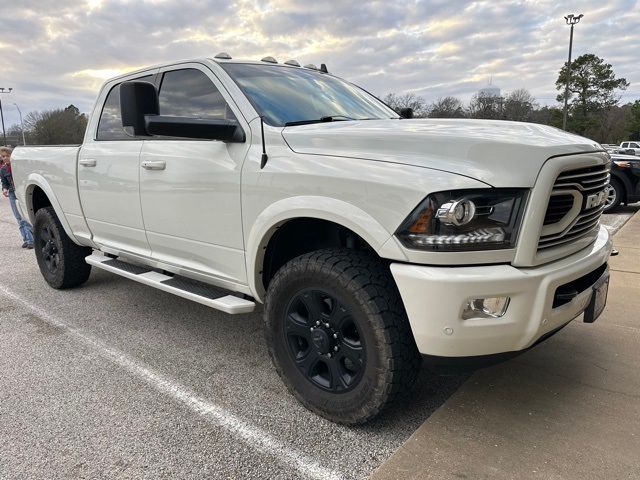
point(190, 195)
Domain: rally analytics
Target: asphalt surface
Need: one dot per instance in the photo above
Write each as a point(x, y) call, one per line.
point(118, 380)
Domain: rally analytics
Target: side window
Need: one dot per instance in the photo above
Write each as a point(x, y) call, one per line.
point(110, 123)
point(634, 145)
point(190, 93)
point(625, 145)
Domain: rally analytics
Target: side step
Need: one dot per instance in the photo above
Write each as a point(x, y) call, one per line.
point(183, 287)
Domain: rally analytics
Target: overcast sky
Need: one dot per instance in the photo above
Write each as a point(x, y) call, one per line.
point(59, 52)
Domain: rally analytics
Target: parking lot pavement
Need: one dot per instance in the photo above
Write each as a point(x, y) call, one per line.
point(615, 220)
point(118, 380)
point(568, 409)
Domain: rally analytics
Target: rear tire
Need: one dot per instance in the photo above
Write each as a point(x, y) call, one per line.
point(615, 193)
point(361, 357)
point(61, 261)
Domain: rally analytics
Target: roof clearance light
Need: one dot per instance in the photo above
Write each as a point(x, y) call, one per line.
point(292, 63)
point(311, 66)
point(269, 60)
point(223, 56)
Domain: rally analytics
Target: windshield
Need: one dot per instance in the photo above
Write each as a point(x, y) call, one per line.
point(291, 94)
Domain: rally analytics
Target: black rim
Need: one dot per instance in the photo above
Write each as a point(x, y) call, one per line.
point(324, 341)
point(49, 247)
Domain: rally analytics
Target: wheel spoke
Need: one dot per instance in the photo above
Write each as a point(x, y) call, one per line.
point(306, 363)
point(338, 316)
point(337, 379)
point(44, 235)
point(352, 352)
point(313, 303)
point(296, 325)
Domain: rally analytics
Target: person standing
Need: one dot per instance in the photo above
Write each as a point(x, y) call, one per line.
point(8, 190)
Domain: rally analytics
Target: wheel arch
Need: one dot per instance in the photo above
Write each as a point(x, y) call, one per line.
point(319, 213)
point(39, 194)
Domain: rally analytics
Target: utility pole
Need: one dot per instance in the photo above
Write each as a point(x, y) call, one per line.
point(571, 20)
point(24, 142)
point(4, 134)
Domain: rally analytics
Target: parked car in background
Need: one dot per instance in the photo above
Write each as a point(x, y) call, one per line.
point(611, 149)
point(625, 181)
point(635, 146)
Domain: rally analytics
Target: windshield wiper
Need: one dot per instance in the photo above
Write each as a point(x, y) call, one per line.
point(328, 118)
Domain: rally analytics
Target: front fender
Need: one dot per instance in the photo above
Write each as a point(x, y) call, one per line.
point(324, 208)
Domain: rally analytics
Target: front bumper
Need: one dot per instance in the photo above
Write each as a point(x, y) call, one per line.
point(434, 298)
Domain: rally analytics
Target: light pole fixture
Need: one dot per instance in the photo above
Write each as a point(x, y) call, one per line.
point(24, 142)
point(571, 20)
point(4, 134)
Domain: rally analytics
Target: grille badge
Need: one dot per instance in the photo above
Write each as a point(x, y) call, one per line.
point(595, 200)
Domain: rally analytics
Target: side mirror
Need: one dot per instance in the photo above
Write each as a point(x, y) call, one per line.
point(137, 100)
point(406, 112)
point(140, 111)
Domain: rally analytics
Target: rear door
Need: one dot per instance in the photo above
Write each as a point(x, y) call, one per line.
point(108, 178)
point(190, 189)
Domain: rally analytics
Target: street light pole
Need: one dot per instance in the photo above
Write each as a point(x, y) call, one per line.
point(4, 134)
point(571, 20)
point(24, 142)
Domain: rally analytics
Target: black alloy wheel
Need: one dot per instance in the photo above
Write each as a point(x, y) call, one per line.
point(50, 247)
point(338, 334)
point(324, 341)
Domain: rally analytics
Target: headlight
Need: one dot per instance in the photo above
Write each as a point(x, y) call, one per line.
point(458, 220)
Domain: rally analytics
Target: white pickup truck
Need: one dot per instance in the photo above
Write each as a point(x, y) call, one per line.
point(374, 241)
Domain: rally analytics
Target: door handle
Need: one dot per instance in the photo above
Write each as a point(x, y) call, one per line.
point(154, 165)
point(88, 162)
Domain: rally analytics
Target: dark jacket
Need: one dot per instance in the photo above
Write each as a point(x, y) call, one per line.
point(7, 178)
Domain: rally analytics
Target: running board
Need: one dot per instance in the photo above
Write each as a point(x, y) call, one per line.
point(183, 287)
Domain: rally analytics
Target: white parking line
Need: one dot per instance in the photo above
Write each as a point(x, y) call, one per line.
point(252, 436)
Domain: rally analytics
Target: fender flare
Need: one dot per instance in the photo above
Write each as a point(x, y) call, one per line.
point(323, 208)
point(37, 180)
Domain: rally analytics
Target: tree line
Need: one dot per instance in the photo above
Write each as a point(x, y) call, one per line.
point(50, 127)
point(594, 110)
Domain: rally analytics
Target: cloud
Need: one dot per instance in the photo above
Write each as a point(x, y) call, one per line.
point(59, 52)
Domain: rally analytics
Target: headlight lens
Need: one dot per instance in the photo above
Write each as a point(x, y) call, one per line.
point(459, 220)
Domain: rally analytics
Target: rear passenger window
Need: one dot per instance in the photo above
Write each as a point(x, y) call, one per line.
point(190, 93)
point(110, 123)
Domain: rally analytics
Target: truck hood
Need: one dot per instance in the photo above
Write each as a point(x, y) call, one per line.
point(499, 153)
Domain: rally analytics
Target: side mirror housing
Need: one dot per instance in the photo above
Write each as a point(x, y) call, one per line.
point(138, 99)
point(406, 112)
point(141, 112)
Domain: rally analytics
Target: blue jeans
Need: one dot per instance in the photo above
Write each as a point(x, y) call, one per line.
point(25, 227)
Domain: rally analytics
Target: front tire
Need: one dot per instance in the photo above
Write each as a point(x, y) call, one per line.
point(338, 334)
point(61, 261)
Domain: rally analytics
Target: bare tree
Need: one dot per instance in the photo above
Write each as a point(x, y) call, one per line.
point(408, 100)
point(486, 106)
point(447, 107)
point(518, 105)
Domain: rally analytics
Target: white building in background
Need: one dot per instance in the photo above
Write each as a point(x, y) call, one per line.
point(490, 90)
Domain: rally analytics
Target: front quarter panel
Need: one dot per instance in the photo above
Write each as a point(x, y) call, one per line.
point(372, 198)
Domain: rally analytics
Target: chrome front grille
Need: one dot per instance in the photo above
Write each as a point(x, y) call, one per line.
point(583, 185)
point(559, 206)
